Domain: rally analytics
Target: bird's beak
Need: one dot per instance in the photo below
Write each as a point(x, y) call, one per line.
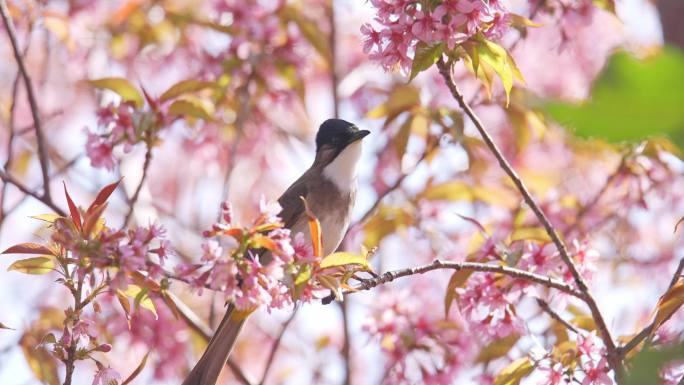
point(358, 135)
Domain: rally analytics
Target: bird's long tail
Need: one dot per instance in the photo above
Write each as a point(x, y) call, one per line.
point(208, 368)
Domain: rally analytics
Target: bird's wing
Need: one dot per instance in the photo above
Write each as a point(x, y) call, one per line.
point(290, 201)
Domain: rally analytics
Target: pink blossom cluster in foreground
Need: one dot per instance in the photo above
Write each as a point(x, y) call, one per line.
point(405, 23)
point(415, 341)
point(255, 266)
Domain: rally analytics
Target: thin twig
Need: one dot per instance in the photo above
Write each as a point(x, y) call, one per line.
point(613, 357)
point(275, 346)
point(12, 130)
point(547, 309)
point(136, 194)
point(5, 176)
point(390, 276)
point(648, 330)
point(195, 323)
point(40, 138)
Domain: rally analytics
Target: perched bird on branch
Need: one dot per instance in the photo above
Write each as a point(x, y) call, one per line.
point(329, 189)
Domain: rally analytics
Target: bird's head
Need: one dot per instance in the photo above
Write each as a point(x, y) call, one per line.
point(338, 150)
point(337, 134)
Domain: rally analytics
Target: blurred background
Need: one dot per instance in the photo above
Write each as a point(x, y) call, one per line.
point(275, 70)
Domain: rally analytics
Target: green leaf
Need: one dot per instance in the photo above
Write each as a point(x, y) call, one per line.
point(608, 5)
point(344, 258)
point(631, 100)
point(538, 234)
point(498, 348)
point(519, 21)
point(120, 86)
point(36, 265)
point(425, 56)
point(501, 62)
point(514, 372)
point(184, 87)
point(191, 108)
point(46, 217)
point(457, 280)
point(646, 365)
point(401, 99)
point(668, 304)
point(141, 299)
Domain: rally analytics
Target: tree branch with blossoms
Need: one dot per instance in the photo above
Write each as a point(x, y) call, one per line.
point(613, 356)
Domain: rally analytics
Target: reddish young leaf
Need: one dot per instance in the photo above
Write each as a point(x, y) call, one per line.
point(315, 229)
point(104, 194)
point(29, 248)
point(75, 214)
point(92, 216)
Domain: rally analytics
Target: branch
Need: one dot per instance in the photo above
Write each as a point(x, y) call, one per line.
point(543, 280)
point(276, 345)
point(12, 134)
point(613, 357)
point(40, 138)
point(136, 194)
point(195, 323)
point(648, 330)
point(44, 199)
point(547, 309)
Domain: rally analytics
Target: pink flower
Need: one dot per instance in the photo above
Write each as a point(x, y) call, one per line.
point(371, 38)
point(106, 376)
point(596, 374)
point(99, 152)
point(555, 375)
point(590, 345)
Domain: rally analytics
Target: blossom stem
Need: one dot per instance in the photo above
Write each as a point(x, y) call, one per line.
point(136, 194)
point(613, 357)
point(40, 138)
point(70, 360)
point(547, 309)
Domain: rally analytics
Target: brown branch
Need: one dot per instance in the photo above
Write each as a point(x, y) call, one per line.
point(276, 345)
point(547, 309)
point(543, 280)
point(5, 176)
point(195, 323)
point(12, 130)
point(648, 330)
point(40, 138)
point(136, 194)
point(613, 357)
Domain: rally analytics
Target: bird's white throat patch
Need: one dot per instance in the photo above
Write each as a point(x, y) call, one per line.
point(342, 170)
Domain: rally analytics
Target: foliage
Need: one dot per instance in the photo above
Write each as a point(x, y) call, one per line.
point(188, 104)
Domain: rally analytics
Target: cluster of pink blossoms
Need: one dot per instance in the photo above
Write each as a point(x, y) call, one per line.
point(416, 342)
point(405, 23)
point(260, 265)
point(121, 123)
point(138, 249)
point(487, 303)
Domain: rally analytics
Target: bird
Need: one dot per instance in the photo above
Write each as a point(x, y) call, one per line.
point(329, 189)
